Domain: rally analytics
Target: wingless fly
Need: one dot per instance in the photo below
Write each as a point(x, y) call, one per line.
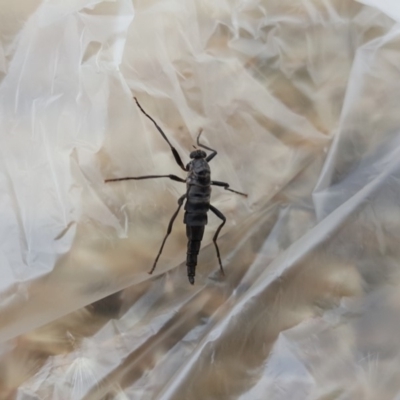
point(197, 196)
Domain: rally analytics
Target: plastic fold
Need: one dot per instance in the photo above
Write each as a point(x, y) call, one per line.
point(300, 99)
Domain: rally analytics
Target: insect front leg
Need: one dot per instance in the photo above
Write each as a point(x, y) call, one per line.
point(221, 216)
point(226, 187)
point(171, 223)
point(214, 152)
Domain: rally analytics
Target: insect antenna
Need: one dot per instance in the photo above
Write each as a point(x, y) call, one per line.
point(174, 152)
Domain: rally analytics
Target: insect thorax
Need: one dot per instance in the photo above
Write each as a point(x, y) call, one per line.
point(199, 172)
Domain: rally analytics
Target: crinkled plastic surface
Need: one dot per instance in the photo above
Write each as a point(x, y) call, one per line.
point(300, 98)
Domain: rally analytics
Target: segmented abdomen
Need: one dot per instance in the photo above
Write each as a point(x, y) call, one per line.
point(195, 236)
point(197, 205)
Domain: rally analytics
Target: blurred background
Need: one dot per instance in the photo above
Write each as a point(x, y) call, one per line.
point(300, 98)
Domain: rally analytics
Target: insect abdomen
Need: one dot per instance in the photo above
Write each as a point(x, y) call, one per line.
point(195, 236)
point(197, 206)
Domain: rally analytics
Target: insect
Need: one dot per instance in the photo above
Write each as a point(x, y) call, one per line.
point(197, 196)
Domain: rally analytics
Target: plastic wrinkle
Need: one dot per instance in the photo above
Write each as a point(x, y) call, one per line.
point(300, 100)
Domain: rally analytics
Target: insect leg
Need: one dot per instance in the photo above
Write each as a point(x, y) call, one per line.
point(174, 152)
point(226, 187)
point(221, 216)
point(214, 152)
point(173, 177)
point(171, 222)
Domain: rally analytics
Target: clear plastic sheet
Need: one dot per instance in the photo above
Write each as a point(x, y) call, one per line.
point(300, 98)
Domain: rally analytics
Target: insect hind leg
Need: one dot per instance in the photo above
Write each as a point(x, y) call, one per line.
point(221, 216)
point(169, 230)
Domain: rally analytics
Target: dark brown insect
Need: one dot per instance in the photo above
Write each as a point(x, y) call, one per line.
point(197, 196)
